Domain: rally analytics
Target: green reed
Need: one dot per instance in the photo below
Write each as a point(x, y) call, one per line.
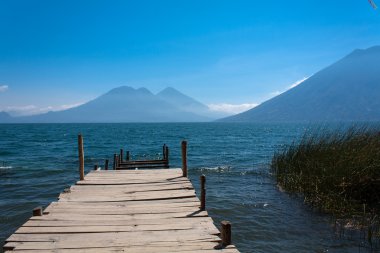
point(336, 171)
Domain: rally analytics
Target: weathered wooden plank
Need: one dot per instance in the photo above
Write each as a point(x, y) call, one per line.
point(202, 227)
point(170, 202)
point(117, 237)
point(120, 222)
point(128, 182)
point(139, 187)
point(128, 194)
point(73, 216)
point(139, 175)
point(171, 171)
point(124, 211)
point(154, 247)
point(126, 204)
point(92, 198)
point(142, 162)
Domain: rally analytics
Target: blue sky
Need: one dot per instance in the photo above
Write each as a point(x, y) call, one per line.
point(56, 54)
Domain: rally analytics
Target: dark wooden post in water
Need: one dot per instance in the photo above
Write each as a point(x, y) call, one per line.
point(184, 158)
point(226, 233)
point(106, 164)
point(96, 167)
point(117, 161)
point(121, 155)
point(163, 152)
point(81, 157)
point(37, 211)
point(127, 158)
point(203, 192)
point(167, 156)
point(114, 161)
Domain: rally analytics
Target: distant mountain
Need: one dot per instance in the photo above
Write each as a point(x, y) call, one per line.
point(125, 104)
point(5, 117)
point(180, 100)
point(188, 104)
point(348, 90)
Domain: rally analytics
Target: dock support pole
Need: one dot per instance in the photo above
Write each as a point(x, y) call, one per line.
point(127, 158)
point(37, 211)
point(106, 164)
point(121, 155)
point(81, 157)
point(226, 233)
point(203, 192)
point(96, 167)
point(114, 161)
point(8, 248)
point(184, 158)
point(167, 156)
point(163, 152)
point(117, 162)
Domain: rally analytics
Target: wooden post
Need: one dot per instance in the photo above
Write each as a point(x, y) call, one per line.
point(184, 158)
point(121, 155)
point(163, 152)
point(203, 192)
point(96, 167)
point(127, 158)
point(226, 233)
point(167, 156)
point(117, 161)
point(81, 157)
point(114, 161)
point(8, 248)
point(106, 165)
point(37, 211)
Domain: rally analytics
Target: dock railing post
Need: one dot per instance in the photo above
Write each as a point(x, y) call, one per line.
point(163, 152)
point(127, 158)
point(37, 211)
point(184, 158)
point(203, 192)
point(96, 167)
point(167, 156)
point(106, 164)
point(226, 233)
point(117, 161)
point(81, 157)
point(114, 161)
point(121, 155)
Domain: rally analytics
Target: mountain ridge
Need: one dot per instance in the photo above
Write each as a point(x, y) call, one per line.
point(347, 90)
point(121, 104)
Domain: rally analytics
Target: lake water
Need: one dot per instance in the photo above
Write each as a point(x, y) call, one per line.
point(37, 161)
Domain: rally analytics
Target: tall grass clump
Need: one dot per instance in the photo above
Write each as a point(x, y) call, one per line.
point(336, 171)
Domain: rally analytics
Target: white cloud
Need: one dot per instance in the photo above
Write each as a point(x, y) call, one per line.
point(25, 110)
point(231, 108)
point(275, 93)
point(3, 88)
point(65, 107)
point(296, 83)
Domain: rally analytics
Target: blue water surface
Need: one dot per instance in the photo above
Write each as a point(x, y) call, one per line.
point(37, 161)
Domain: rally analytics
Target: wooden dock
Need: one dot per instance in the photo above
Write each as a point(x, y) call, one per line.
point(153, 210)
